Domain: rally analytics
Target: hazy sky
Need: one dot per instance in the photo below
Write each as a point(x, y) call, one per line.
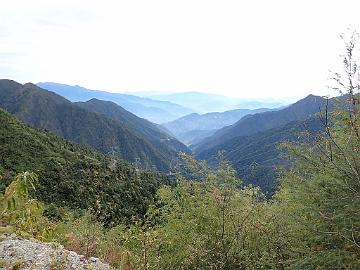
point(237, 48)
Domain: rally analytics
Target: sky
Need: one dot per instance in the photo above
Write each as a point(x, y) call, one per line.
point(252, 49)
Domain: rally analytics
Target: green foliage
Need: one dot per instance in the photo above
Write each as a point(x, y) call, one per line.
point(321, 192)
point(209, 225)
point(199, 225)
point(257, 158)
point(323, 189)
point(18, 211)
point(82, 235)
point(70, 175)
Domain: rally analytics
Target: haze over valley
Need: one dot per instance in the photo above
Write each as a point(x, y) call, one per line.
point(248, 137)
point(159, 134)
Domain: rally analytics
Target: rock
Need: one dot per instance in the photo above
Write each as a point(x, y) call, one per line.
point(92, 259)
point(17, 253)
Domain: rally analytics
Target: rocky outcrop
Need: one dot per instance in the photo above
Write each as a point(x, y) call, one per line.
point(17, 253)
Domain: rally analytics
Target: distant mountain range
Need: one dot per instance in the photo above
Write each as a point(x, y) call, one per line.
point(115, 132)
point(192, 128)
point(250, 138)
point(205, 102)
point(153, 110)
point(251, 124)
point(251, 144)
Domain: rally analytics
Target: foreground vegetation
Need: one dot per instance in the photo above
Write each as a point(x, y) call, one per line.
point(74, 176)
point(209, 220)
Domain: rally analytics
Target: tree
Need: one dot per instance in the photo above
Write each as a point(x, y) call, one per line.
point(214, 223)
point(321, 194)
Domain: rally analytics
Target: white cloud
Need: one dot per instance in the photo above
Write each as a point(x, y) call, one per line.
point(241, 48)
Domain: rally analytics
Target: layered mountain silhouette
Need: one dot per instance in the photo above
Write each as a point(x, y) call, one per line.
point(194, 127)
point(150, 109)
point(252, 143)
point(252, 124)
point(152, 132)
point(207, 102)
point(46, 110)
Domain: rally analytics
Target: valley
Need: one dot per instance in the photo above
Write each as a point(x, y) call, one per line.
point(248, 138)
point(102, 181)
point(196, 146)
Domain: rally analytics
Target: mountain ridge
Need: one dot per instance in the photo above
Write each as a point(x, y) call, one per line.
point(153, 110)
point(74, 175)
point(44, 109)
point(257, 157)
point(143, 127)
point(208, 102)
point(251, 124)
point(191, 128)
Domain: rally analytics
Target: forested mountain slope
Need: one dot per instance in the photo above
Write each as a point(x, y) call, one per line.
point(43, 109)
point(153, 110)
point(256, 157)
point(252, 124)
point(73, 175)
point(143, 127)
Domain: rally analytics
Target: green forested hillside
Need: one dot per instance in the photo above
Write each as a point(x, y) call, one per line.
point(43, 109)
point(143, 128)
point(257, 158)
point(252, 143)
point(74, 176)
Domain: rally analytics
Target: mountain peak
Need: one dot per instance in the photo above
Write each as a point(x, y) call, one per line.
point(8, 80)
point(312, 96)
point(9, 83)
point(309, 99)
point(29, 84)
point(95, 100)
